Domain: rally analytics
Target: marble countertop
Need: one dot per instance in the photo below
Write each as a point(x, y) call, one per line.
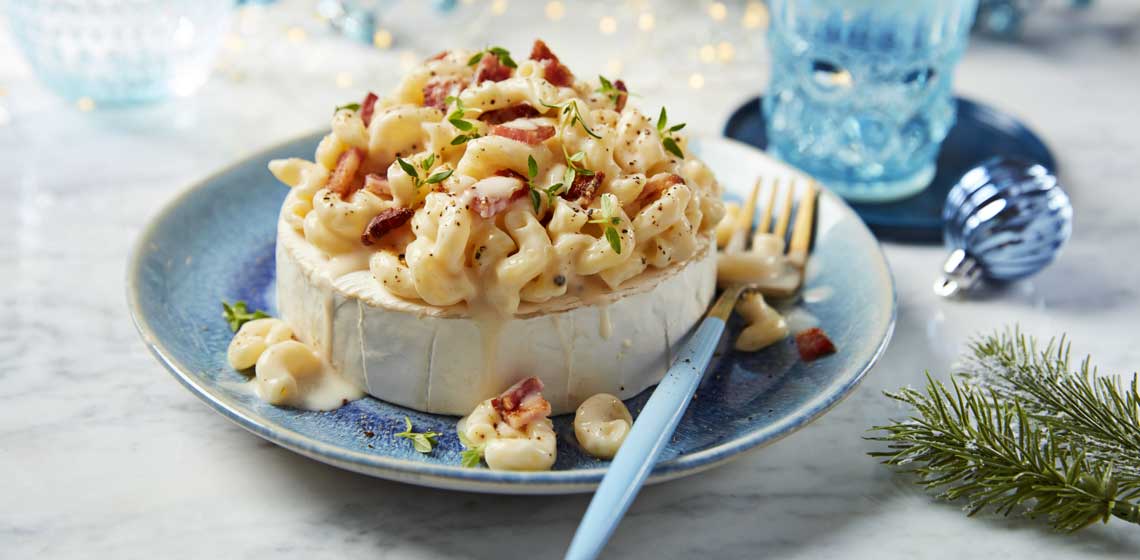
point(102, 454)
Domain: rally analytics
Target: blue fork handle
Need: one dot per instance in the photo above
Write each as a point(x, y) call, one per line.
point(650, 433)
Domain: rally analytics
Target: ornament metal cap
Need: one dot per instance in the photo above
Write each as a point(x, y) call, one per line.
point(959, 273)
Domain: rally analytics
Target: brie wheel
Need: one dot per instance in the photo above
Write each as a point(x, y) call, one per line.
point(443, 360)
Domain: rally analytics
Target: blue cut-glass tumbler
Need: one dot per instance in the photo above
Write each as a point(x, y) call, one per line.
point(860, 90)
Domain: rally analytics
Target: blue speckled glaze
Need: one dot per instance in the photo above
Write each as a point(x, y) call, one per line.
point(216, 241)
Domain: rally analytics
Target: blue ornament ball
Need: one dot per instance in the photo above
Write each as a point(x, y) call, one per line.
point(1004, 220)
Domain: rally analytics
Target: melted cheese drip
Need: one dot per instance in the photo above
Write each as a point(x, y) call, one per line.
point(605, 324)
point(288, 372)
point(490, 323)
point(326, 390)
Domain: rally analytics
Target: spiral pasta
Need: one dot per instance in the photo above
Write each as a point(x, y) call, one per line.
point(483, 181)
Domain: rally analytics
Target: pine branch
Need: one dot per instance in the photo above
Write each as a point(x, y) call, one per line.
point(971, 446)
point(1097, 414)
point(1016, 431)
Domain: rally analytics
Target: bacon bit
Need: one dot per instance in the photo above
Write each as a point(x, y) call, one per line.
point(656, 185)
point(531, 136)
point(556, 73)
point(522, 404)
point(488, 207)
point(366, 108)
point(490, 70)
point(584, 188)
point(507, 114)
point(540, 52)
point(437, 90)
point(343, 181)
point(623, 96)
point(813, 344)
point(385, 222)
point(438, 56)
point(377, 185)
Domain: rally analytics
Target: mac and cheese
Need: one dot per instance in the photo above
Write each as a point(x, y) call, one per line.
point(513, 430)
point(525, 183)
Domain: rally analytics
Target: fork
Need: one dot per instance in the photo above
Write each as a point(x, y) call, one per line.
point(658, 419)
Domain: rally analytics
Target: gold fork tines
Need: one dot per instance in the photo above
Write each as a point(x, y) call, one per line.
point(740, 266)
point(744, 221)
point(800, 244)
point(785, 215)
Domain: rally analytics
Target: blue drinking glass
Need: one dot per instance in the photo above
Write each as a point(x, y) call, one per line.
point(120, 51)
point(860, 90)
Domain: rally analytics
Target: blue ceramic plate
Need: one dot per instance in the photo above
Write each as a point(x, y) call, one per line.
point(216, 242)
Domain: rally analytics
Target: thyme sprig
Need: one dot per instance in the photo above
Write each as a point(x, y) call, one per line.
point(422, 442)
point(667, 139)
point(537, 192)
point(502, 54)
point(426, 166)
point(347, 107)
point(237, 315)
point(569, 115)
point(472, 455)
point(609, 220)
point(608, 89)
point(574, 166)
point(457, 118)
point(1018, 431)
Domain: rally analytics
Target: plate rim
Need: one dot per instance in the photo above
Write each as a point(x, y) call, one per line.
point(455, 477)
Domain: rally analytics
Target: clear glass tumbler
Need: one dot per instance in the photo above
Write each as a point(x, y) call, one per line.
point(860, 90)
point(120, 51)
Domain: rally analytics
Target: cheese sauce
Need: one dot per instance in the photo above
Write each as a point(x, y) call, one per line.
point(345, 263)
point(489, 321)
point(326, 390)
point(286, 371)
point(605, 324)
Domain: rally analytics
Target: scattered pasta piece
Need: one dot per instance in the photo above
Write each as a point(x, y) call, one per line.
point(281, 368)
point(765, 325)
point(253, 338)
point(286, 372)
point(601, 424)
point(512, 431)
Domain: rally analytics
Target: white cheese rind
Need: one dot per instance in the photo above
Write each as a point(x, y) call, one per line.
point(431, 359)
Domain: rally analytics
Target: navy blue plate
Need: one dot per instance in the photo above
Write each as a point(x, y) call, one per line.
point(980, 133)
point(215, 242)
